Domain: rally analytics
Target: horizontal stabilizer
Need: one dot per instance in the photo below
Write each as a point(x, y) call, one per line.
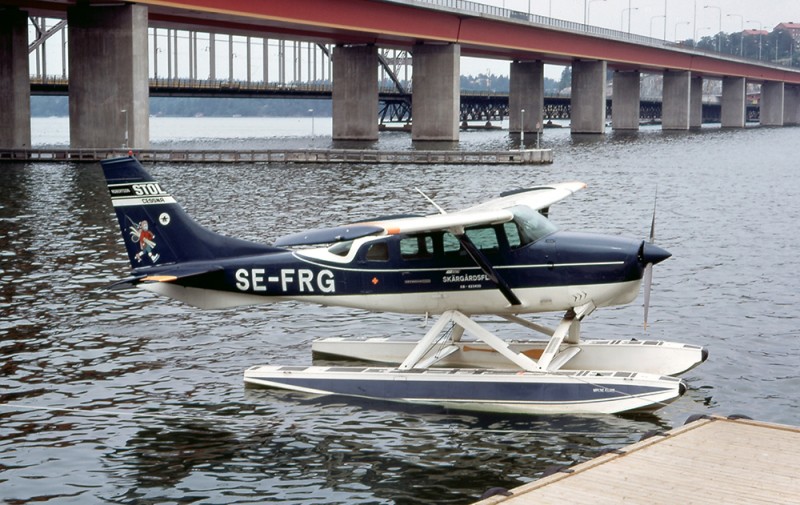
point(173, 273)
point(125, 283)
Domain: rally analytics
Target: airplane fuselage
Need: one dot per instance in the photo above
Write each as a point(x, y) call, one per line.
point(417, 274)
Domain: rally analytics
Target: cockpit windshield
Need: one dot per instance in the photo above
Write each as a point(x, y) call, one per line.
point(531, 224)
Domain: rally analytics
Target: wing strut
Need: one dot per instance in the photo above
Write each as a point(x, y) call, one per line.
point(478, 257)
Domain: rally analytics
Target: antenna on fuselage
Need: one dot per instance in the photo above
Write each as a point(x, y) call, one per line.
point(441, 210)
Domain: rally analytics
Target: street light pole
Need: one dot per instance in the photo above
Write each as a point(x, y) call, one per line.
point(588, 12)
point(653, 18)
point(741, 31)
point(125, 111)
point(676, 28)
point(719, 35)
point(760, 29)
point(629, 10)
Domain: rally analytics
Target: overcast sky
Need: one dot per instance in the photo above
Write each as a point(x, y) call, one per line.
point(647, 18)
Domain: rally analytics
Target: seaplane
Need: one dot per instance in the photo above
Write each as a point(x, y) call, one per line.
point(502, 258)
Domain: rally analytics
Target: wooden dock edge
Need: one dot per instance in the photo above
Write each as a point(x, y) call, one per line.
point(308, 156)
point(518, 495)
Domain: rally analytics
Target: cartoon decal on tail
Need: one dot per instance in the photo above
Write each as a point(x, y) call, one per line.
point(141, 234)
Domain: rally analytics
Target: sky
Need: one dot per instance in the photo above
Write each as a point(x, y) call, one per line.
point(647, 18)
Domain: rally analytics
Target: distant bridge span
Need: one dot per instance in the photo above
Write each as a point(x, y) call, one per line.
point(482, 106)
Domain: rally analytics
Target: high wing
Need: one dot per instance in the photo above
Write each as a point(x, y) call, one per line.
point(494, 211)
point(452, 221)
point(329, 235)
point(537, 198)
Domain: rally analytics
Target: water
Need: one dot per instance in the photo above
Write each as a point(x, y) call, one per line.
point(123, 397)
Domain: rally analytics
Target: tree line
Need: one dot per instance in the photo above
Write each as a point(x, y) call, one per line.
point(777, 46)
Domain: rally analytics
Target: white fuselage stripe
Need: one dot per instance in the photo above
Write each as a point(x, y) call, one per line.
point(305, 259)
point(136, 201)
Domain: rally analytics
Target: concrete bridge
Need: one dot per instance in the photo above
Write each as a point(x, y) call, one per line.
point(108, 64)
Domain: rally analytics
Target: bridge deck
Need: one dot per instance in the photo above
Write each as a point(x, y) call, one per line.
point(713, 460)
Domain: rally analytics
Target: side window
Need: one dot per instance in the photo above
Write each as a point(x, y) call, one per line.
point(484, 239)
point(417, 247)
point(341, 248)
point(379, 251)
point(512, 234)
point(450, 243)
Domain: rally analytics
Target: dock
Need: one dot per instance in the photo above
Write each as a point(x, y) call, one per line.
point(711, 460)
point(328, 156)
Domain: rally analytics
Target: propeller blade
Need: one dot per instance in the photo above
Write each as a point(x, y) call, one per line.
point(651, 255)
point(653, 222)
point(648, 285)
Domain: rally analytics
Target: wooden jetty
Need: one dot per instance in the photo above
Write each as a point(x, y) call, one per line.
point(360, 156)
point(712, 460)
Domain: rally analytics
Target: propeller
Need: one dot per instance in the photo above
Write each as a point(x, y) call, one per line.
point(650, 254)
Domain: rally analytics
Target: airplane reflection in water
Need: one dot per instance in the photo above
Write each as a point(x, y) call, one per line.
point(502, 257)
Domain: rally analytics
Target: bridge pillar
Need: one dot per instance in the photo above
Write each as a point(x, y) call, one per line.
point(15, 86)
point(772, 104)
point(526, 92)
point(436, 92)
point(676, 100)
point(791, 105)
point(108, 76)
point(588, 102)
point(696, 102)
point(625, 101)
point(355, 93)
point(733, 111)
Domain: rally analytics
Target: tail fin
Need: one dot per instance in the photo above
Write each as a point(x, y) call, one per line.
point(155, 229)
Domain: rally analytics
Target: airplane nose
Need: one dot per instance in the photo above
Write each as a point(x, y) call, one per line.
point(651, 253)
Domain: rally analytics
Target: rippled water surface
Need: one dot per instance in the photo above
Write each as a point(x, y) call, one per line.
point(123, 397)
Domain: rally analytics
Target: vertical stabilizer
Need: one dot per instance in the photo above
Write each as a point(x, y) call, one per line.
point(155, 229)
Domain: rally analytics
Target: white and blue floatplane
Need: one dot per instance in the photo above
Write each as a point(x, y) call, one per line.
point(501, 258)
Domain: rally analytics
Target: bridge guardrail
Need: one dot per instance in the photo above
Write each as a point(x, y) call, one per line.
point(467, 6)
